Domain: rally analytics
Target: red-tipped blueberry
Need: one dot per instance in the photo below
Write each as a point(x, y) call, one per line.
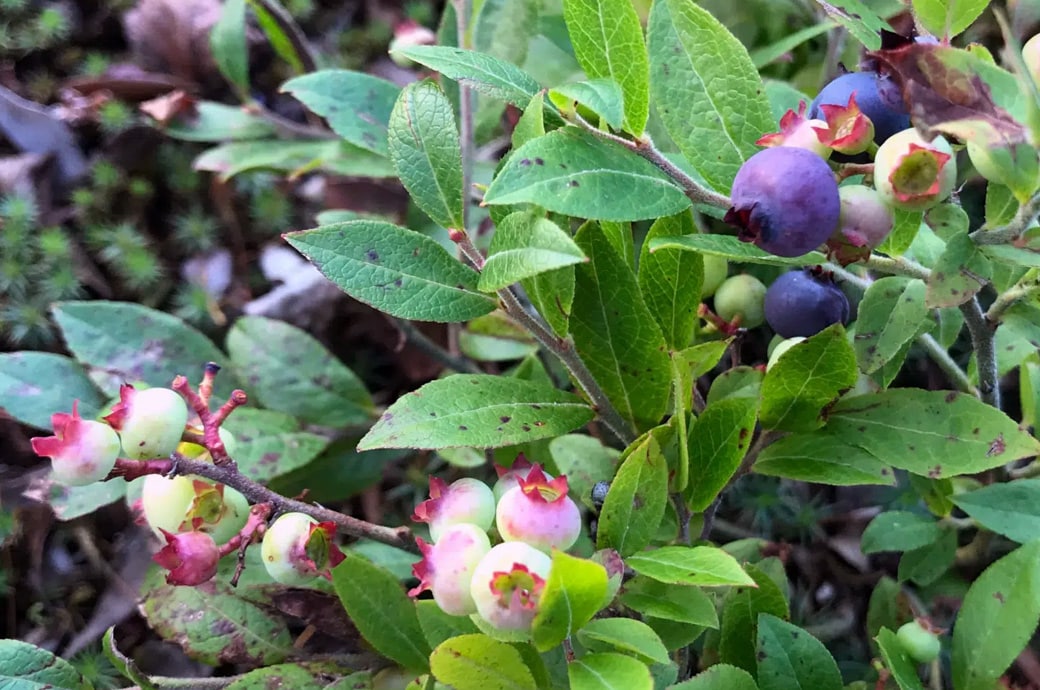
point(82, 451)
point(465, 500)
point(510, 477)
point(508, 583)
point(913, 174)
point(539, 512)
point(846, 130)
point(785, 200)
point(877, 96)
point(297, 548)
point(191, 558)
point(150, 422)
point(447, 567)
point(798, 131)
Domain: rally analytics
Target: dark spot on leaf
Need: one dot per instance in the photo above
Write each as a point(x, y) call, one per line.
point(997, 446)
point(761, 655)
point(505, 419)
point(525, 161)
point(372, 255)
point(539, 161)
point(539, 423)
point(999, 596)
point(975, 431)
point(463, 428)
point(951, 396)
point(526, 427)
point(935, 472)
point(573, 183)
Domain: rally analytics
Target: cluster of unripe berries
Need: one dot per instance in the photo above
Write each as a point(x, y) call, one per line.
point(198, 519)
point(501, 584)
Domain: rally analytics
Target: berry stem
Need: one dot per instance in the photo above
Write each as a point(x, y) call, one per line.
point(211, 421)
point(254, 527)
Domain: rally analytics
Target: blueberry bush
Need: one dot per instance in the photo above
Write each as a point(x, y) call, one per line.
point(678, 289)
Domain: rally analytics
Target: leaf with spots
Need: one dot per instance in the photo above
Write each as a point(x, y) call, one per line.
point(35, 385)
point(670, 281)
point(824, 459)
point(214, 623)
point(398, 271)
point(573, 593)
point(808, 377)
point(304, 675)
point(24, 666)
point(931, 433)
point(477, 411)
point(269, 444)
point(602, 97)
point(477, 662)
point(718, 441)
point(286, 369)
point(739, 613)
point(636, 500)
point(889, 316)
point(576, 173)
point(958, 275)
point(789, 658)
point(356, 105)
point(997, 618)
point(608, 42)
point(616, 334)
point(706, 89)
point(120, 341)
point(424, 148)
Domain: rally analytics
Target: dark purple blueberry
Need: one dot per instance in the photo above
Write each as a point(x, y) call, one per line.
point(803, 303)
point(785, 200)
point(876, 95)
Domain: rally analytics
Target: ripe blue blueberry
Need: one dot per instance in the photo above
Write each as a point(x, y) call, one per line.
point(785, 200)
point(803, 303)
point(877, 96)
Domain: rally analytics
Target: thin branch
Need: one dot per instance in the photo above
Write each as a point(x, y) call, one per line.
point(949, 367)
point(419, 339)
point(1008, 298)
point(899, 266)
point(1027, 213)
point(982, 332)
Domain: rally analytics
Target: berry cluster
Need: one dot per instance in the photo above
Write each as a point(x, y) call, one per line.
point(500, 584)
point(786, 199)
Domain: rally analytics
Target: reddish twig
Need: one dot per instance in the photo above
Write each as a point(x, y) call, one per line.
point(211, 421)
point(254, 528)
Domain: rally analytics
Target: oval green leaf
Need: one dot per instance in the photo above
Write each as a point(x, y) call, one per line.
point(704, 566)
point(523, 246)
point(476, 662)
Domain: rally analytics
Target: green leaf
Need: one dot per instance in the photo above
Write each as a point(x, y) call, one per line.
point(897, 530)
point(824, 459)
point(27, 667)
point(573, 172)
point(718, 441)
point(740, 615)
point(35, 385)
point(608, 42)
point(439, 626)
point(926, 564)
point(303, 675)
point(733, 249)
point(1011, 509)
point(931, 433)
point(484, 73)
point(382, 612)
point(476, 662)
point(293, 157)
point(704, 566)
point(337, 473)
point(356, 105)
point(573, 593)
point(889, 316)
point(737, 382)
point(625, 635)
point(961, 271)
point(122, 663)
point(671, 280)
point(504, 28)
point(697, 360)
point(636, 500)
point(71, 502)
point(1001, 205)
point(615, 333)
point(859, 20)
point(808, 378)
point(398, 561)
point(585, 461)
point(947, 18)
point(227, 41)
point(552, 294)
point(524, 245)
point(608, 671)
point(531, 124)
point(122, 341)
point(889, 606)
point(289, 371)
point(602, 96)
point(899, 663)
point(423, 142)
point(270, 444)
point(789, 658)
point(284, 34)
point(217, 122)
point(774, 51)
point(250, 632)
point(706, 90)
point(477, 411)
point(719, 677)
point(903, 233)
point(670, 602)
point(398, 271)
point(997, 618)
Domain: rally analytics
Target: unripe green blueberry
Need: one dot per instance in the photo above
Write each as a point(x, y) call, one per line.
point(715, 270)
point(465, 500)
point(921, 644)
point(150, 422)
point(913, 174)
point(176, 504)
point(284, 549)
point(741, 295)
point(507, 585)
point(82, 451)
point(782, 347)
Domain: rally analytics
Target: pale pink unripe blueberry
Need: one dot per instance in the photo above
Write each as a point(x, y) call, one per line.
point(297, 548)
point(540, 513)
point(176, 504)
point(447, 567)
point(508, 583)
point(150, 422)
point(191, 558)
point(465, 500)
point(510, 477)
point(409, 33)
point(865, 219)
point(82, 451)
point(913, 174)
